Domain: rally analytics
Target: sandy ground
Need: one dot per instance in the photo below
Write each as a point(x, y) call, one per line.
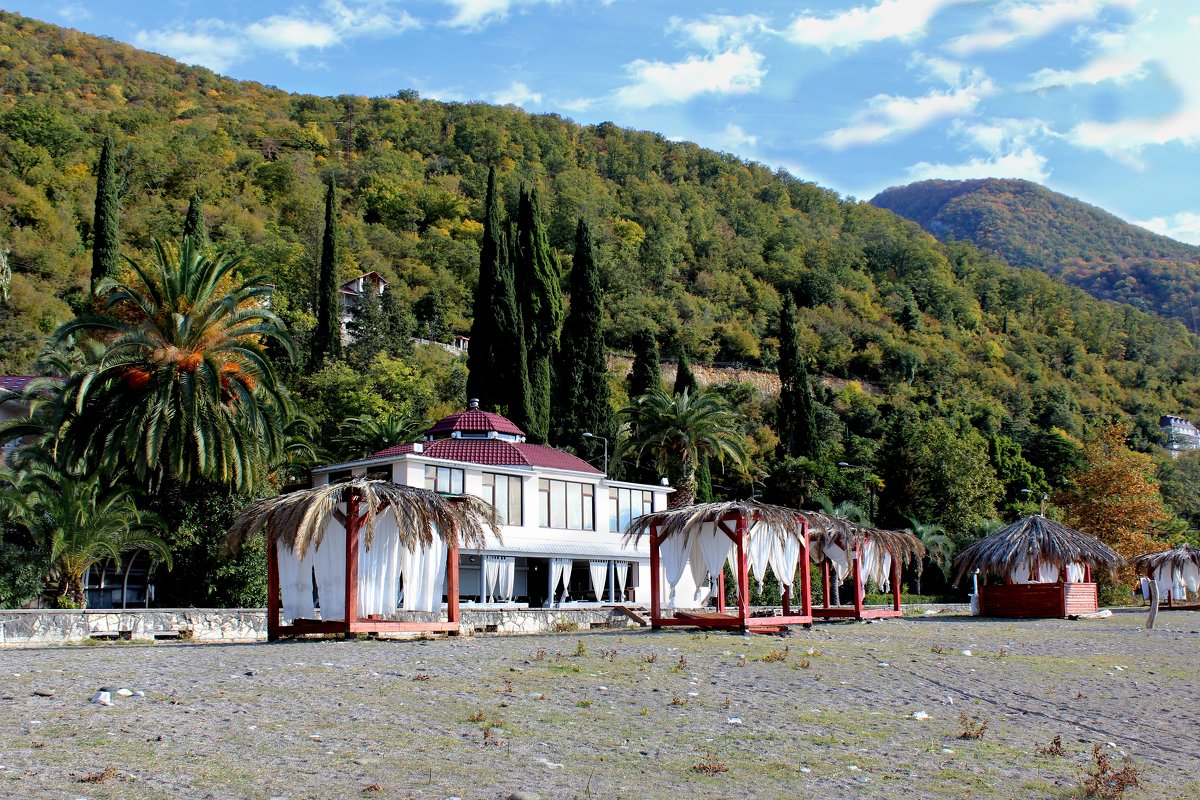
point(823, 713)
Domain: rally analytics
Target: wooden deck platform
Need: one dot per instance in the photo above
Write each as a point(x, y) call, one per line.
point(849, 612)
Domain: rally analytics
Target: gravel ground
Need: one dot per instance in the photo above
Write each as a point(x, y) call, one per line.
point(634, 714)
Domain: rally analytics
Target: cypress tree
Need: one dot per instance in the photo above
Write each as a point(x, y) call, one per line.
point(581, 396)
point(327, 337)
point(194, 224)
point(398, 325)
point(367, 329)
point(106, 232)
point(796, 419)
point(541, 309)
point(645, 375)
point(684, 379)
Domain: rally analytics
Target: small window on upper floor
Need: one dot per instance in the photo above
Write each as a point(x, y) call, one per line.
point(444, 480)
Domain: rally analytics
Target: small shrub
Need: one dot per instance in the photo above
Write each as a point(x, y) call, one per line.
point(727, 704)
point(777, 655)
point(540, 655)
point(1105, 781)
point(645, 712)
point(580, 649)
point(609, 655)
point(1003, 652)
point(937, 649)
point(1055, 748)
point(478, 716)
point(372, 787)
point(681, 665)
point(420, 677)
point(584, 704)
point(710, 766)
point(508, 686)
point(805, 663)
point(970, 728)
point(490, 737)
point(565, 627)
point(651, 658)
point(100, 777)
point(679, 701)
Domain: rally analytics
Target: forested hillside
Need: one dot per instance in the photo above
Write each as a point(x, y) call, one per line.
point(1031, 226)
point(939, 344)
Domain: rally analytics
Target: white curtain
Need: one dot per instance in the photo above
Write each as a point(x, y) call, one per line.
point(379, 568)
point(1191, 576)
point(1178, 587)
point(560, 570)
point(599, 573)
point(1075, 572)
point(711, 549)
point(876, 565)
point(506, 578)
point(620, 570)
point(1146, 589)
point(759, 540)
point(330, 562)
point(424, 573)
point(673, 553)
point(1020, 572)
point(784, 558)
point(491, 574)
point(1047, 573)
point(295, 583)
point(1165, 579)
point(838, 559)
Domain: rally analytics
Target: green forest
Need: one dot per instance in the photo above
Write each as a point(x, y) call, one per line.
point(1030, 226)
point(953, 388)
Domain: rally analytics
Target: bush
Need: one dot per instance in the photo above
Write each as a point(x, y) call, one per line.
point(22, 571)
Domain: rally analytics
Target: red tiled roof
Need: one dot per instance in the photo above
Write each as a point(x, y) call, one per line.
point(475, 420)
point(495, 452)
point(15, 383)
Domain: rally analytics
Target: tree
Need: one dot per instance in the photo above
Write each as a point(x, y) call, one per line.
point(183, 390)
point(582, 397)
point(796, 419)
point(194, 224)
point(685, 381)
point(5, 274)
point(367, 329)
point(677, 430)
point(327, 337)
point(939, 548)
point(398, 324)
point(78, 522)
point(359, 437)
point(541, 309)
point(106, 234)
point(430, 312)
point(645, 376)
point(1113, 496)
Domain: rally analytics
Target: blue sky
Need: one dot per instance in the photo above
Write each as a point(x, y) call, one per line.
point(1099, 99)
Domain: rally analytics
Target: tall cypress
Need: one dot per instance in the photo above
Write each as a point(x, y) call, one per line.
point(327, 337)
point(684, 379)
point(106, 232)
point(581, 387)
point(645, 375)
point(498, 372)
point(795, 419)
point(541, 308)
point(194, 225)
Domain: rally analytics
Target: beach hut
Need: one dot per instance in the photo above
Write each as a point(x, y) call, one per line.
point(1040, 568)
point(348, 558)
point(844, 550)
point(690, 546)
point(1177, 572)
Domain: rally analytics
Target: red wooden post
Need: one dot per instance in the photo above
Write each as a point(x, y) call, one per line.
point(721, 591)
point(1087, 573)
point(896, 584)
point(655, 600)
point(805, 575)
point(452, 582)
point(859, 589)
point(272, 589)
point(743, 573)
point(826, 596)
point(352, 524)
point(787, 600)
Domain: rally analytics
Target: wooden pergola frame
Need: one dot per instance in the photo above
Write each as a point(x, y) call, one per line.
point(353, 624)
point(738, 533)
point(858, 610)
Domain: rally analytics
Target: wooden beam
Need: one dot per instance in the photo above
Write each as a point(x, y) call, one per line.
point(721, 526)
point(452, 582)
point(352, 524)
point(743, 573)
point(273, 601)
point(805, 574)
point(896, 583)
point(827, 596)
point(655, 589)
point(721, 590)
point(859, 589)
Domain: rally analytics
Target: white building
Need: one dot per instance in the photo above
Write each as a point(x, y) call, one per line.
point(350, 296)
point(1180, 434)
point(561, 519)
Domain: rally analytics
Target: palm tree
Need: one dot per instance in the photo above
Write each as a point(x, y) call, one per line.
point(847, 509)
point(362, 436)
point(674, 431)
point(183, 390)
point(78, 522)
point(938, 546)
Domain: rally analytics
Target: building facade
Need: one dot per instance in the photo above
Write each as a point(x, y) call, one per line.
point(561, 519)
point(1179, 435)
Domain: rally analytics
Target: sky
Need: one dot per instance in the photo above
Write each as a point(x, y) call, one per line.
point(1098, 99)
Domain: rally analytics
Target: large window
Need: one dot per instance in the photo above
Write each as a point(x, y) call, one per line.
point(444, 480)
point(505, 494)
point(567, 505)
point(627, 504)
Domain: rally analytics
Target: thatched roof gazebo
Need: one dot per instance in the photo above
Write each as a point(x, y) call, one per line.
point(1177, 572)
point(696, 541)
point(1041, 567)
point(843, 548)
point(361, 540)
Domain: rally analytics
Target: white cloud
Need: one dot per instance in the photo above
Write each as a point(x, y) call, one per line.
point(477, 14)
point(517, 94)
point(887, 19)
point(218, 45)
point(1009, 152)
point(1183, 226)
point(717, 32)
point(1119, 67)
point(735, 137)
point(737, 71)
point(888, 115)
point(1023, 19)
point(73, 12)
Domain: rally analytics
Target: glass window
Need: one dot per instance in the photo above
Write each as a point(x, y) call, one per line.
point(444, 480)
point(626, 505)
point(504, 493)
point(565, 504)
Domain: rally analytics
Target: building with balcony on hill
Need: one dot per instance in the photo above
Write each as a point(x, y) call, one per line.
point(1179, 435)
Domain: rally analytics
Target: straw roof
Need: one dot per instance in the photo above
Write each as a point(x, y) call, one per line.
point(299, 519)
point(826, 528)
point(1035, 537)
point(1175, 559)
point(687, 518)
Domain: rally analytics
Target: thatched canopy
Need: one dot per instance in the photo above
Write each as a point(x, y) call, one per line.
point(1174, 559)
point(299, 519)
point(683, 520)
point(1035, 537)
point(825, 528)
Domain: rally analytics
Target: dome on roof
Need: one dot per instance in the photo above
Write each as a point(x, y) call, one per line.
point(475, 422)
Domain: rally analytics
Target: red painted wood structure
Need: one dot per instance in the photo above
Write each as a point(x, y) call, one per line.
point(353, 624)
point(1038, 600)
point(734, 523)
point(857, 610)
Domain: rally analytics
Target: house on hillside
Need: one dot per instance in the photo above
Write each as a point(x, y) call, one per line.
point(1179, 435)
point(351, 293)
point(561, 519)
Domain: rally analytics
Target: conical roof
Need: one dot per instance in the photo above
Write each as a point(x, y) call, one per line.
point(1035, 538)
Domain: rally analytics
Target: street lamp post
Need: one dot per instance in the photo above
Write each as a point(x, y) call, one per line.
point(1045, 497)
point(590, 435)
point(866, 485)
